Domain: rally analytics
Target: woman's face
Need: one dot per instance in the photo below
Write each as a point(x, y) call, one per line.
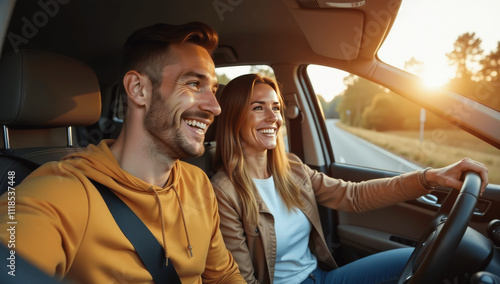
point(263, 120)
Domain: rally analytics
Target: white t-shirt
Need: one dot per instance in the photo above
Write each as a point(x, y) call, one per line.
point(294, 260)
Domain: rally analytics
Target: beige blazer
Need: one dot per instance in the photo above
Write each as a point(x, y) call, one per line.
point(254, 248)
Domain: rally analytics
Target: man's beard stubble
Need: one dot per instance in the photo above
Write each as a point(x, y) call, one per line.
point(160, 120)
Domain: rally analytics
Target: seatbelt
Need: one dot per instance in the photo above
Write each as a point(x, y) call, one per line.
point(146, 245)
point(296, 146)
point(294, 116)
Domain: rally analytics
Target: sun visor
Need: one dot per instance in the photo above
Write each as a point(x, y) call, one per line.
point(334, 33)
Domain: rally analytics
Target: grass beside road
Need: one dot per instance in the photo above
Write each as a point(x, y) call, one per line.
point(439, 147)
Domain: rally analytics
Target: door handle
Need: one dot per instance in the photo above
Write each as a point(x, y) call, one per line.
point(429, 199)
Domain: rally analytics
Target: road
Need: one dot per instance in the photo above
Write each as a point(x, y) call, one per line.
point(351, 149)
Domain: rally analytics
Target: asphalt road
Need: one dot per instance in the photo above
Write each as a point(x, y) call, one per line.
point(350, 149)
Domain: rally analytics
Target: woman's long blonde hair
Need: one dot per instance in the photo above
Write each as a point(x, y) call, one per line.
point(235, 100)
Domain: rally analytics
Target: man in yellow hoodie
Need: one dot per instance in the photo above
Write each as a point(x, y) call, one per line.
point(64, 226)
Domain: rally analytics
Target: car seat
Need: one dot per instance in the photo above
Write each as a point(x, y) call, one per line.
point(43, 96)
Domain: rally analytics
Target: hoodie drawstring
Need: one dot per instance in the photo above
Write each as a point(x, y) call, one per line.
point(163, 226)
point(190, 248)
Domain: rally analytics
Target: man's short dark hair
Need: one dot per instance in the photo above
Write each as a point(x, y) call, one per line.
point(146, 50)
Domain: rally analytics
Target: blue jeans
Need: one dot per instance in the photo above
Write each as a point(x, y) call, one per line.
point(380, 268)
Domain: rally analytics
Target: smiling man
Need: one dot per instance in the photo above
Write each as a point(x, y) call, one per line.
point(67, 230)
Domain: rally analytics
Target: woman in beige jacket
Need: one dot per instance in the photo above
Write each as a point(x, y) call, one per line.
point(268, 198)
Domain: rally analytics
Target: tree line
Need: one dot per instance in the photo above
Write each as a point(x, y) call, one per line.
point(368, 105)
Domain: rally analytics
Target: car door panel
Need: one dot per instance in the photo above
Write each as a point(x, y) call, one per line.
point(400, 225)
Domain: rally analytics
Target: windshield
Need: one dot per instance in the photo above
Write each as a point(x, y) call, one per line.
point(449, 43)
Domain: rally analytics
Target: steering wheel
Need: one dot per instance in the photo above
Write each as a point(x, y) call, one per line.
point(431, 255)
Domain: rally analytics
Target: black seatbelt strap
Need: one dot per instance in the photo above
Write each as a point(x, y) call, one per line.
point(296, 146)
point(146, 245)
point(294, 116)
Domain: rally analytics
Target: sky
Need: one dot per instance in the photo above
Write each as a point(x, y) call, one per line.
point(426, 30)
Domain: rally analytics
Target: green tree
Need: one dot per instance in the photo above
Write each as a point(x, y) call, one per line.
point(490, 64)
point(484, 85)
point(383, 114)
point(390, 111)
point(356, 98)
point(488, 90)
point(329, 108)
point(264, 71)
point(332, 108)
point(223, 79)
point(466, 54)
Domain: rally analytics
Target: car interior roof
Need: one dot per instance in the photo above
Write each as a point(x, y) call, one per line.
point(93, 31)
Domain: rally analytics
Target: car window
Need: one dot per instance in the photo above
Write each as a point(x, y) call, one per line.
point(456, 44)
point(371, 126)
point(226, 74)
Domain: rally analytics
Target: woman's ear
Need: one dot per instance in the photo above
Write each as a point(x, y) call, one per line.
point(137, 86)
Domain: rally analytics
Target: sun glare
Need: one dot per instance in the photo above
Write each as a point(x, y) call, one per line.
point(435, 78)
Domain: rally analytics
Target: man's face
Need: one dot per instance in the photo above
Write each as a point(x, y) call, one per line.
point(184, 105)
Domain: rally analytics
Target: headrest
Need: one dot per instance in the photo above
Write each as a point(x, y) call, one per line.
point(42, 90)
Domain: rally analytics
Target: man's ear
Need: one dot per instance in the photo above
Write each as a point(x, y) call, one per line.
point(137, 86)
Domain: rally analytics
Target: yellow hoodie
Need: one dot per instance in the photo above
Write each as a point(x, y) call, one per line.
point(64, 227)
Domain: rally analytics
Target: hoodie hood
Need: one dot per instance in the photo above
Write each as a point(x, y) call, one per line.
point(99, 164)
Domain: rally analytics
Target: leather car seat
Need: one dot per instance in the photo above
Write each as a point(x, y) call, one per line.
point(43, 96)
